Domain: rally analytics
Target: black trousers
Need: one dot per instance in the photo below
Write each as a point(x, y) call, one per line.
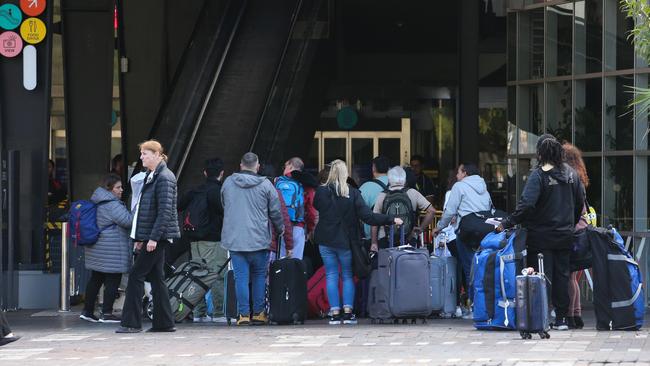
point(111, 282)
point(4, 325)
point(556, 268)
point(149, 266)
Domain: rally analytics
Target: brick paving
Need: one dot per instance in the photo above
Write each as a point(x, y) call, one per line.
point(66, 340)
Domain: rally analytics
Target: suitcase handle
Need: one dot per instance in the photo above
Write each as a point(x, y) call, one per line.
point(391, 237)
point(540, 263)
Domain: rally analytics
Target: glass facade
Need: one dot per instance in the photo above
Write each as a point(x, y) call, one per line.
point(571, 70)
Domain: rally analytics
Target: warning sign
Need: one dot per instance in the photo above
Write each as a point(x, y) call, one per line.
point(33, 30)
point(32, 7)
point(10, 44)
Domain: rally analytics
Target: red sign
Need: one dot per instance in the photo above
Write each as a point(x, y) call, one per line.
point(32, 7)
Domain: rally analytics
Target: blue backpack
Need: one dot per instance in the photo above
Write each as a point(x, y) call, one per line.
point(83, 223)
point(494, 270)
point(294, 197)
point(618, 284)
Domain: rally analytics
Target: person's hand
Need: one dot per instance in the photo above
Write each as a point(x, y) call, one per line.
point(151, 245)
point(137, 246)
point(499, 228)
point(289, 253)
point(417, 231)
point(435, 231)
point(398, 221)
point(374, 247)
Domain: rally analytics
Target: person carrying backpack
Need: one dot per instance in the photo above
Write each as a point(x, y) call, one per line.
point(372, 188)
point(110, 256)
point(202, 223)
point(402, 202)
point(549, 208)
point(297, 189)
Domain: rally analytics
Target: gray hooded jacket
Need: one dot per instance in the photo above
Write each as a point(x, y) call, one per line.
point(112, 252)
point(250, 204)
point(467, 196)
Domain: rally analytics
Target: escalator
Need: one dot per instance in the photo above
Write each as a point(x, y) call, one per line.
point(232, 74)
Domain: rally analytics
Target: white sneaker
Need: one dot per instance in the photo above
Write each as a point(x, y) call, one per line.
point(220, 319)
point(459, 312)
point(203, 319)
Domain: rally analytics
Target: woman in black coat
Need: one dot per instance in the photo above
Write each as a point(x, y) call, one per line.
point(155, 226)
point(340, 207)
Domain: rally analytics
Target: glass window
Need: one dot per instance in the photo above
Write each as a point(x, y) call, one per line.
point(512, 120)
point(619, 202)
point(559, 38)
point(619, 118)
point(334, 148)
point(524, 167)
point(558, 110)
point(512, 185)
point(644, 191)
point(594, 171)
point(642, 118)
point(588, 114)
point(642, 202)
point(390, 148)
point(588, 36)
point(619, 52)
point(529, 121)
point(512, 46)
point(531, 44)
point(362, 149)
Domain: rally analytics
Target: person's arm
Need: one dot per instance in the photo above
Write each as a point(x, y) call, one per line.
point(365, 214)
point(214, 201)
point(527, 202)
point(311, 216)
point(579, 193)
point(120, 215)
point(165, 194)
point(288, 227)
point(451, 209)
point(185, 200)
point(273, 204)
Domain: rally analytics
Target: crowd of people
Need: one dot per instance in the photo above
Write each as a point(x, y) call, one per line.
point(249, 213)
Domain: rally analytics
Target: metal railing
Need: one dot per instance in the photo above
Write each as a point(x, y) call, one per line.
point(64, 299)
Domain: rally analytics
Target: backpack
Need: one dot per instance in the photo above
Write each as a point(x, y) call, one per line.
point(398, 204)
point(293, 195)
point(83, 222)
point(196, 222)
point(493, 278)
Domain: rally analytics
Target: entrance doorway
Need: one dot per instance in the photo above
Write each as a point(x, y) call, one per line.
point(358, 148)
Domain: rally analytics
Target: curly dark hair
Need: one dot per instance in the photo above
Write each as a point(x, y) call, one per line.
point(549, 151)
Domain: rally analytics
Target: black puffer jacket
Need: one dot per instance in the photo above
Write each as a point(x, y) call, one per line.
point(157, 216)
point(550, 206)
point(338, 223)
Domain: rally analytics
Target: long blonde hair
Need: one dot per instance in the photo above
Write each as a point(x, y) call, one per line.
point(338, 177)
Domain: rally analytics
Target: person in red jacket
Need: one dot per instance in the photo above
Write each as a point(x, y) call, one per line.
point(297, 190)
point(287, 235)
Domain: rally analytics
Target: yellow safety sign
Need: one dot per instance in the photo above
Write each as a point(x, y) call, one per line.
point(33, 30)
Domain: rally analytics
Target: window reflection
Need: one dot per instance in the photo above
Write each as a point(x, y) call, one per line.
point(588, 36)
point(618, 204)
point(531, 44)
point(559, 37)
point(594, 171)
point(558, 120)
point(529, 122)
point(588, 114)
point(619, 119)
point(619, 52)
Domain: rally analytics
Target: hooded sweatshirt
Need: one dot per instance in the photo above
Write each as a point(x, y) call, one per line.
point(550, 207)
point(467, 196)
point(250, 204)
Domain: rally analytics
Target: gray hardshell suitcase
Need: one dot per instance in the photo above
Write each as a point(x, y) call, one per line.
point(532, 303)
point(405, 271)
point(443, 281)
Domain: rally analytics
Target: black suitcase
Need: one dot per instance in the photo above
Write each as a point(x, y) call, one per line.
point(287, 291)
point(532, 303)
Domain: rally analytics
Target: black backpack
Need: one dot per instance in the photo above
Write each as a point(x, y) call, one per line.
point(196, 221)
point(398, 204)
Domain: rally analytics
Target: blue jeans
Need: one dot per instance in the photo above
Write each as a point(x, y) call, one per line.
point(465, 258)
point(250, 267)
point(333, 258)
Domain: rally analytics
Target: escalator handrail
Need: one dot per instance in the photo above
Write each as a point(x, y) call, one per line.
point(276, 74)
point(208, 95)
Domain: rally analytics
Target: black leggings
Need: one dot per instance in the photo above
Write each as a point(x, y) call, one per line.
point(4, 325)
point(111, 282)
point(556, 268)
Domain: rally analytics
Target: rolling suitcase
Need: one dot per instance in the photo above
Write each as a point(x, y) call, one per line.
point(230, 296)
point(404, 281)
point(532, 303)
point(443, 280)
point(287, 291)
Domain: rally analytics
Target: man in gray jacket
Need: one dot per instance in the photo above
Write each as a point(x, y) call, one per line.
point(468, 195)
point(249, 201)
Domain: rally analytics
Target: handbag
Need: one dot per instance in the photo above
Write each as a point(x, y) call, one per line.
point(581, 256)
point(472, 228)
point(361, 261)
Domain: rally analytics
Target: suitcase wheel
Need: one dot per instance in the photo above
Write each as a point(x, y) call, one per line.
point(526, 335)
point(228, 321)
point(543, 335)
point(414, 321)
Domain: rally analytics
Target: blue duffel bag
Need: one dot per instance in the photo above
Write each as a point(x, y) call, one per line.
point(494, 269)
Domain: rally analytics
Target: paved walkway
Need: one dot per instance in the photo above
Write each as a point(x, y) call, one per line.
point(66, 340)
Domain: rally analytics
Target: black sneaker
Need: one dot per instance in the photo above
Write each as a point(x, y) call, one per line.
point(561, 324)
point(349, 318)
point(335, 319)
point(109, 318)
point(579, 322)
point(89, 317)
